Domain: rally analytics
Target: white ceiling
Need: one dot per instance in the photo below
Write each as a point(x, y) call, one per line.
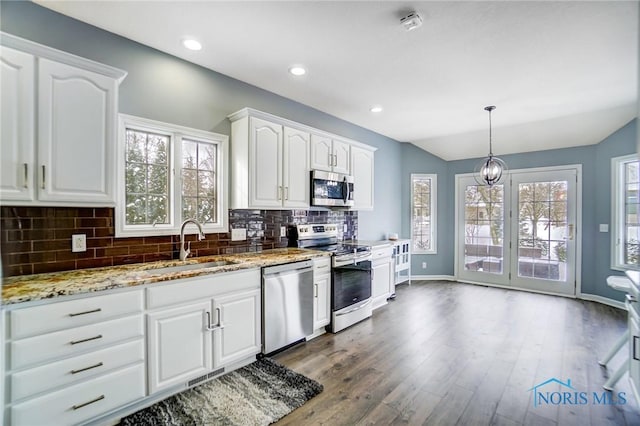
point(561, 73)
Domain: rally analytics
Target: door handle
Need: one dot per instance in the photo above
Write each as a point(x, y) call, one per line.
point(635, 357)
point(43, 176)
point(571, 228)
point(26, 175)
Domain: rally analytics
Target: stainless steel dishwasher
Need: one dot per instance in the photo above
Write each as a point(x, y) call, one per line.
point(287, 304)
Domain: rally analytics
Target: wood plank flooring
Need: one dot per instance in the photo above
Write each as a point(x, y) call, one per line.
point(456, 354)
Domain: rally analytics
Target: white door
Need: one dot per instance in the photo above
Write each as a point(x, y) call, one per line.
point(363, 176)
point(237, 333)
point(76, 134)
point(543, 230)
point(16, 125)
point(179, 346)
point(380, 278)
point(295, 175)
point(321, 157)
point(341, 157)
point(265, 159)
point(521, 233)
point(322, 295)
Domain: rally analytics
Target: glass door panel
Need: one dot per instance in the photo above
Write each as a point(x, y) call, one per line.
point(544, 231)
point(482, 249)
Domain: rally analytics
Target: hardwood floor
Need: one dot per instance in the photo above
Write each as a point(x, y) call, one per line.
point(449, 353)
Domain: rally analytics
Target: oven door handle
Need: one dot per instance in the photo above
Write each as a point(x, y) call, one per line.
point(357, 308)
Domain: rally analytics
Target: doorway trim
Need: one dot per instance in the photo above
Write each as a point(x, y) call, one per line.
point(578, 272)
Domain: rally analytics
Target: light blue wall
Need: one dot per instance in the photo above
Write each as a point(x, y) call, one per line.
point(596, 197)
point(622, 142)
point(415, 160)
point(163, 87)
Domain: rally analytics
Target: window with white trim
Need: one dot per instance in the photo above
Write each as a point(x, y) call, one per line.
point(625, 233)
point(423, 213)
point(166, 174)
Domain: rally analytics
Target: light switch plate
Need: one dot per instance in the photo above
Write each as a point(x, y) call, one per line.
point(238, 234)
point(604, 227)
point(78, 243)
point(283, 231)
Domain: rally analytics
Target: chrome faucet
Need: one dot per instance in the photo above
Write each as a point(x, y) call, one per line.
point(185, 252)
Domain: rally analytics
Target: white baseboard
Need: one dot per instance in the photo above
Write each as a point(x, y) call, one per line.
point(582, 296)
point(603, 300)
point(433, 278)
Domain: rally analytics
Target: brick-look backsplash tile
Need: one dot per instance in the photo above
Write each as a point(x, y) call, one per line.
point(38, 239)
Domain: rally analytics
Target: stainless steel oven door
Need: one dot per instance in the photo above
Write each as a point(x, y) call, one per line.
point(351, 284)
point(331, 189)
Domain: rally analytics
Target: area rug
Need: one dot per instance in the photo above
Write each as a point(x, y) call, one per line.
point(260, 393)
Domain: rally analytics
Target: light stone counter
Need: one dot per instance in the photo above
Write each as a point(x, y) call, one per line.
point(28, 288)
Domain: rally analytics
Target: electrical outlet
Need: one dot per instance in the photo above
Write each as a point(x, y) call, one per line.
point(604, 227)
point(78, 243)
point(424, 265)
point(283, 231)
point(239, 234)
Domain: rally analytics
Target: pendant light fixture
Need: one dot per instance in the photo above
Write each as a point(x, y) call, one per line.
point(492, 169)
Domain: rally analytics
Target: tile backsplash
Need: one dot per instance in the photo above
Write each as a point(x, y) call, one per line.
point(38, 239)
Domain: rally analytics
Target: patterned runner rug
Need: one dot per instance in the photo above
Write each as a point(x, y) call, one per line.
point(260, 393)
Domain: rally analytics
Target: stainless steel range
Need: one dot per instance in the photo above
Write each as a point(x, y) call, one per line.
point(350, 273)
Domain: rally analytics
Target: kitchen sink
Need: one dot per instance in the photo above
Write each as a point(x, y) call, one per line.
point(190, 267)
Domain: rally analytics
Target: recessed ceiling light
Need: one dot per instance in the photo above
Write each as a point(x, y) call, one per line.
point(297, 70)
point(376, 108)
point(191, 44)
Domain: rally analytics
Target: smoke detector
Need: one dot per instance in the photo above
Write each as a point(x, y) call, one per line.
point(411, 21)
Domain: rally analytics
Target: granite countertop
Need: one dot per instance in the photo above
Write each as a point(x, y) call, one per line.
point(28, 288)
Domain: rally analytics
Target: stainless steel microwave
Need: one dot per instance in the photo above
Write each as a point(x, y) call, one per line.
point(331, 189)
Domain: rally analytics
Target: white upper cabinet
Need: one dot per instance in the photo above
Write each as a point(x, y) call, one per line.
point(295, 172)
point(76, 133)
point(362, 163)
point(269, 165)
point(265, 159)
point(71, 162)
point(272, 159)
point(328, 154)
point(16, 124)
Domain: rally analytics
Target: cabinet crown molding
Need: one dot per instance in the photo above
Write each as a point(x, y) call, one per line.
point(250, 112)
point(42, 51)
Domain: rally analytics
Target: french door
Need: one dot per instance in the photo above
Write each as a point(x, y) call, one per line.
point(521, 233)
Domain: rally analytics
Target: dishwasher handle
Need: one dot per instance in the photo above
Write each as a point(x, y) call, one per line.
point(296, 267)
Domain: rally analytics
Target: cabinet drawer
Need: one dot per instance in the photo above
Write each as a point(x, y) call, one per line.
point(83, 401)
point(62, 373)
point(322, 266)
point(73, 313)
point(380, 253)
point(77, 340)
point(188, 290)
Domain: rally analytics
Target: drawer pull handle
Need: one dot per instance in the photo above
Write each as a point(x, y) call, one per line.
point(85, 312)
point(630, 298)
point(84, 404)
point(75, 342)
point(87, 368)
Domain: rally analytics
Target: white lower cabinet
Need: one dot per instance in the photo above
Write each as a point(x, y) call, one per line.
point(96, 358)
point(216, 323)
point(381, 275)
point(74, 360)
point(179, 345)
point(83, 401)
point(321, 292)
point(634, 349)
point(239, 334)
